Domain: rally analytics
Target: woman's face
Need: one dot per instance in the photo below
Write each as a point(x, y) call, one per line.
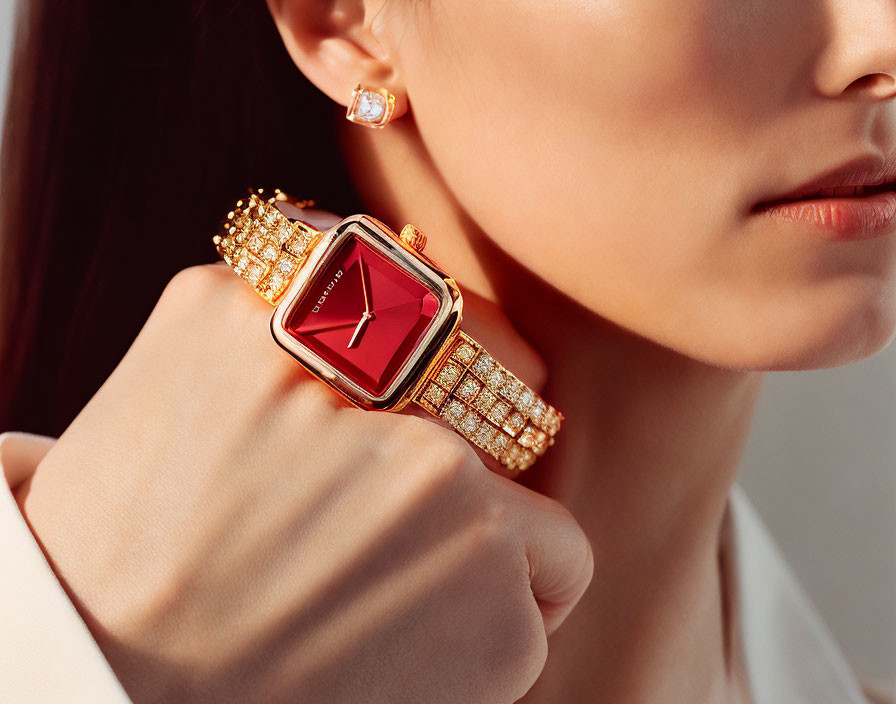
point(616, 147)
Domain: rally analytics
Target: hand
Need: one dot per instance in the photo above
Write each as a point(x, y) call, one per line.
point(361, 323)
point(232, 530)
point(365, 286)
point(368, 315)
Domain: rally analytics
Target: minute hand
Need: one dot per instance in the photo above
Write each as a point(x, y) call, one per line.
point(364, 275)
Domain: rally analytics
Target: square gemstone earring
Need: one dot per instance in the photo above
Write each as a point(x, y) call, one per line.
point(371, 107)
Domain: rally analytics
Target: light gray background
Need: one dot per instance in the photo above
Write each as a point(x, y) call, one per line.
point(820, 465)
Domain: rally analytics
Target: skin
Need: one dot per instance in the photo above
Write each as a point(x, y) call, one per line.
point(590, 167)
point(221, 548)
point(587, 170)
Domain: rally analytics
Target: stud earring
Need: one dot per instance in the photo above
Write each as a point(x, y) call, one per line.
point(371, 107)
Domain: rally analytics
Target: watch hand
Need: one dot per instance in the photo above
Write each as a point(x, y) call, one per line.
point(309, 331)
point(361, 323)
point(364, 275)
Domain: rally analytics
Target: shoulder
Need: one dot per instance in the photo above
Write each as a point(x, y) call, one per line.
point(20, 454)
point(791, 653)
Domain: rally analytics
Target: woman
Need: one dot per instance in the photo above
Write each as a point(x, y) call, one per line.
point(605, 181)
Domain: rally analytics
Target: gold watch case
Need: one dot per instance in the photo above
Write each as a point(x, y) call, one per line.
point(427, 354)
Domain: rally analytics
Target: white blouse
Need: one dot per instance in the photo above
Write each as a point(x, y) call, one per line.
point(47, 653)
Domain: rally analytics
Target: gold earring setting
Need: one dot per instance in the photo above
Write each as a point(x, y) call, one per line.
point(372, 107)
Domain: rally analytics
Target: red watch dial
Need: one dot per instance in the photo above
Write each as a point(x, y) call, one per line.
point(363, 314)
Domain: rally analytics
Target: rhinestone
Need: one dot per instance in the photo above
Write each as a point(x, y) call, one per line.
point(370, 106)
point(464, 353)
point(297, 244)
point(527, 437)
point(499, 442)
point(499, 412)
point(512, 454)
point(484, 435)
point(275, 282)
point(537, 411)
point(453, 411)
point(254, 273)
point(242, 263)
point(526, 460)
point(269, 253)
point(551, 421)
point(483, 365)
point(484, 401)
point(284, 232)
point(527, 398)
point(255, 243)
point(512, 389)
point(448, 375)
point(434, 393)
point(496, 380)
point(285, 266)
point(468, 389)
point(514, 424)
point(470, 422)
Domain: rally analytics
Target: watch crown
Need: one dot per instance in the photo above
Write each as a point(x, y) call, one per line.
point(413, 237)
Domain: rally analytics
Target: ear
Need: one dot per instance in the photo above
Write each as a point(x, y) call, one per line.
point(334, 45)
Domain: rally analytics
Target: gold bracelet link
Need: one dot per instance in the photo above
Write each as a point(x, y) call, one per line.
point(476, 395)
point(489, 405)
point(263, 246)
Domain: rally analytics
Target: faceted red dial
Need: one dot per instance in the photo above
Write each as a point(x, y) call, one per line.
point(363, 314)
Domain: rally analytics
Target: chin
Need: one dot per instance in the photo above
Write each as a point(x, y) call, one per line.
point(815, 334)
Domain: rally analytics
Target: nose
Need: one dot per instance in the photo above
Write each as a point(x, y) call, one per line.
point(860, 58)
point(879, 86)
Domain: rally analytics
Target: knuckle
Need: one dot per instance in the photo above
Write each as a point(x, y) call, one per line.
point(425, 463)
point(494, 536)
point(197, 281)
point(497, 519)
point(438, 449)
point(307, 400)
point(563, 515)
point(576, 542)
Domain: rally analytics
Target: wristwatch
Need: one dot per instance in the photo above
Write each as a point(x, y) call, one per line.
point(365, 311)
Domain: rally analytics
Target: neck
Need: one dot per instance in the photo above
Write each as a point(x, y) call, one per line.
point(645, 458)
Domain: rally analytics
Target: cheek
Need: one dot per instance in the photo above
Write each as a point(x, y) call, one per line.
point(563, 112)
point(620, 139)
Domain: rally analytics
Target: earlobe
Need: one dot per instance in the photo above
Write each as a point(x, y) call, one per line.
point(332, 45)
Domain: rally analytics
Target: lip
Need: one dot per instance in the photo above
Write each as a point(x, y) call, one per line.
point(848, 213)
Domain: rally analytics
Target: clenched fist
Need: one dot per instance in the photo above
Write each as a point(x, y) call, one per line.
point(234, 531)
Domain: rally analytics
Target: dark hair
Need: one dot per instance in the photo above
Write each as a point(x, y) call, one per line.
point(131, 129)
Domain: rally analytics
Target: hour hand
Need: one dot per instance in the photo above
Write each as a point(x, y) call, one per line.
point(360, 326)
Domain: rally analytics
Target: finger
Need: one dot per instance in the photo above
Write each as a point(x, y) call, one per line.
point(561, 561)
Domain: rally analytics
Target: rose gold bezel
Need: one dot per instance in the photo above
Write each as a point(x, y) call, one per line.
point(444, 326)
